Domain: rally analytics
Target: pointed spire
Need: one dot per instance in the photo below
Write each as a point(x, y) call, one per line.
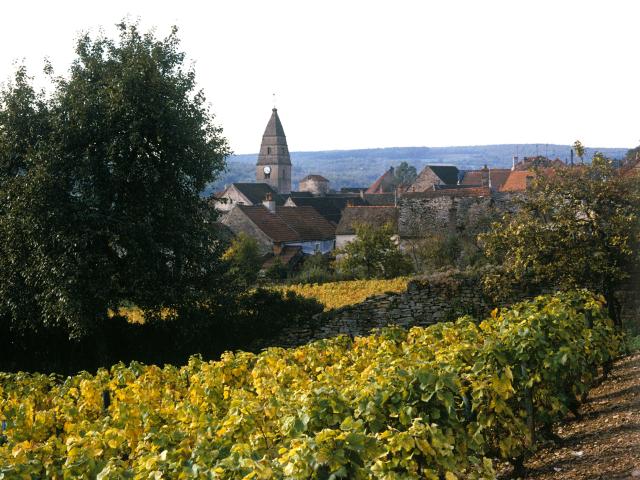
point(274, 150)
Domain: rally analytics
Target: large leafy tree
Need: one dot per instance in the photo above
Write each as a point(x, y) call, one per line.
point(244, 259)
point(100, 183)
point(374, 253)
point(577, 227)
point(405, 174)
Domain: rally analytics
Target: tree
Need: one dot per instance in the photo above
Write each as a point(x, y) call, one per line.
point(316, 268)
point(373, 253)
point(101, 185)
point(632, 155)
point(579, 149)
point(576, 228)
point(244, 259)
point(405, 174)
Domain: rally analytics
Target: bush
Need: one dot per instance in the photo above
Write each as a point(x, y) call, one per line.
point(373, 254)
point(203, 330)
point(264, 313)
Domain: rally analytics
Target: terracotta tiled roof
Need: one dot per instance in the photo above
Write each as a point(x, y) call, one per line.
point(540, 161)
point(518, 181)
point(290, 224)
point(451, 192)
point(272, 225)
point(498, 177)
point(375, 216)
point(307, 222)
point(385, 184)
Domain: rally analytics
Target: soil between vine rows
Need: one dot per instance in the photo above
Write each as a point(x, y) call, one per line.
point(605, 443)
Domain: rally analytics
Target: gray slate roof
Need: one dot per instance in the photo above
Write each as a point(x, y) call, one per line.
point(256, 192)
point(330, 208)
point(448, 174)
point(274, 150)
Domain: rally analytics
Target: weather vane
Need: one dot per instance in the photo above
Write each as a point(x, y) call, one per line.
point(274, 99)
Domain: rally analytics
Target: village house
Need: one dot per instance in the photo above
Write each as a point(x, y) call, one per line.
point(330, 207)
point(277, 227)
point(433, 175)
point(493, 178)
point(314, 184)
point(245, 194)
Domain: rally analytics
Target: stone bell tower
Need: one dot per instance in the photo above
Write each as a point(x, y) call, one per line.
point(274, 163)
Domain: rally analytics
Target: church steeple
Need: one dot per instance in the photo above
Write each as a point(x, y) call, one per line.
point(274, 162)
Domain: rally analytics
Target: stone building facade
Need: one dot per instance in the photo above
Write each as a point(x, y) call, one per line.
point(314, 184)
point(457, 210)
point(435, 175)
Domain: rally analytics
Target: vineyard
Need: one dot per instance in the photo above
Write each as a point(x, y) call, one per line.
point(444, 401)
point(339, 294)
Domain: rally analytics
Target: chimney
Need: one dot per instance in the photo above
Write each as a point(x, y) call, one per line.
point(269, 203)
point(485, 177)
point(513, 162)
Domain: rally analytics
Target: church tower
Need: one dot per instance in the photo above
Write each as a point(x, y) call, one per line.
point(274, 163)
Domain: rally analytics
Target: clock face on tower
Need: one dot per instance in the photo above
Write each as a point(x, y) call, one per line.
point(267, 170)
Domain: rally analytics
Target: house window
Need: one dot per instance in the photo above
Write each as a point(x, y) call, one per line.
point(267, 175)
point(268, 150)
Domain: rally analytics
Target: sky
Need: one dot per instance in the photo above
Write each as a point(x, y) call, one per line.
point(372, 74)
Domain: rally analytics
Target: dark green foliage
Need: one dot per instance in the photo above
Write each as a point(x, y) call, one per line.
point(244, 260)
point(264, 313)
point(315, 269)
point(577, 228)
point(255, 315)
point(101, 186)
point(277, 271)
point(373, 254)
point(438, 251)
point(405, 174)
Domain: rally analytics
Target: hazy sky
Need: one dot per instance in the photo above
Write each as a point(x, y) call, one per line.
point(366, 74)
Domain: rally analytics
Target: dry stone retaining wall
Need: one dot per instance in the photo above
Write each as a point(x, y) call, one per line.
point(428, 300)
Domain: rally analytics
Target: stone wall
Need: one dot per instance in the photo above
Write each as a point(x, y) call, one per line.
point(431, 299)
point(452, 212)
point(437, 298)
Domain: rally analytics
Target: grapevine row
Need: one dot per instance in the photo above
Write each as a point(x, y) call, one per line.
point(438, 402)
point(339, 294)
